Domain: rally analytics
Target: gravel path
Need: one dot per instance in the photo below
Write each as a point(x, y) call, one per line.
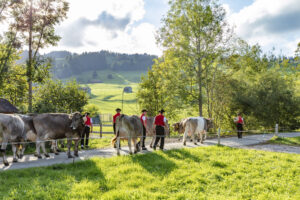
point(248, 142)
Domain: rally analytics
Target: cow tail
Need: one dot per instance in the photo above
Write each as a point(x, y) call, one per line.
point(113, 141)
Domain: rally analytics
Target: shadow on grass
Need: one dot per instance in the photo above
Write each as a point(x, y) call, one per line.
point(181, 154)
point(155, 163)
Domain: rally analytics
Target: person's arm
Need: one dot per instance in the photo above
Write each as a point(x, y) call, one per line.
point(165, 122)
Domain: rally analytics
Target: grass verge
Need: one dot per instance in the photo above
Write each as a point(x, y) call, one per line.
point(199, 173)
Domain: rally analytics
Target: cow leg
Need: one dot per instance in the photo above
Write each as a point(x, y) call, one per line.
point(129, 145)
point(3, 151)
point(135, 147)
point(22, 151)
point(14, 150)
point(76, 141)
point(54, 147)
point(38, 147)
point(118, 146)
point(152, 141)
point(184, 137)
point(44, 150)
point(69, 143)
point(194, 138)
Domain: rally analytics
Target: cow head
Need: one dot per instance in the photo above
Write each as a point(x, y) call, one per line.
point(178, 127)
point(209, 123)
point(77, 121)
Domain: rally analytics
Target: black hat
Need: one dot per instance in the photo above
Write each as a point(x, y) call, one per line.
point(118, 109)
point(162, 111)
point(144, 110)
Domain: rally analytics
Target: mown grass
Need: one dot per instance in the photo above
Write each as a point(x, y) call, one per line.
point(108, 97)
point(200, 173)
point(294, 141)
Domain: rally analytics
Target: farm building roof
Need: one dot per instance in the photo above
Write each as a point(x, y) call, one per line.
point(7, 107)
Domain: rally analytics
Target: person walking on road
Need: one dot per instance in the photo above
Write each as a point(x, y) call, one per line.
point(118, 110)
point(239, 124)
point(144, 122)
point(160, 124)
point(88, 122)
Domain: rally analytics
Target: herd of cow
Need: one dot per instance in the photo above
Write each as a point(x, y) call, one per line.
point(39, 128)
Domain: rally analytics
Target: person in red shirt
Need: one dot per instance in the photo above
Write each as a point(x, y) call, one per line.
point(87, 129)
point(239, 124)
point(118, 110)
point(144, 122)
point(159, 124)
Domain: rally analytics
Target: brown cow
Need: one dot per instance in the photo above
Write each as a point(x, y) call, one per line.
point(58, 126)
point(128, 128)
point(193, 126)
point(11, 130)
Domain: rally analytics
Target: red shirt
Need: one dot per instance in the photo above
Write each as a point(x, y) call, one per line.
point(240, 120)
point(88, 121)
point(143, 120)
point(115, 117)
point(159, 120)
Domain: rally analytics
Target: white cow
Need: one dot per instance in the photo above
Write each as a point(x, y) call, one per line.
point(193, 126)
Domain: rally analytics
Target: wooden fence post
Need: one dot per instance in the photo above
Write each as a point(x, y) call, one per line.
point(219, 135)
point(276, 130)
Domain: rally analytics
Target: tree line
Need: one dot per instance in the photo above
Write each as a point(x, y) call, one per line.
point(75, 64)
point(206, 70)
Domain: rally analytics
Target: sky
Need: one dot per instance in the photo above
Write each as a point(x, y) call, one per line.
point(129, 26)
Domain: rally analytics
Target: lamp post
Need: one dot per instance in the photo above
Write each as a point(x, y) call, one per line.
point(125, 90)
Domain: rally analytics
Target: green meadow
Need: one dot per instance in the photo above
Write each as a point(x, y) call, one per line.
point(199, 173)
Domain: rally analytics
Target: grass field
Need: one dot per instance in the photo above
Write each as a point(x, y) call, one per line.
point(295, 141)
point(200, 173)
point(108, 97)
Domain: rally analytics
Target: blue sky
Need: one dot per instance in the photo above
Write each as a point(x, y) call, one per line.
point(129, 26)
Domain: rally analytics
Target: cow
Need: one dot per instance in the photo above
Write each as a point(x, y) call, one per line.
point(151, 130)
point(51, 126)
point(193, 126)
point(128, 128)
point(11, 130)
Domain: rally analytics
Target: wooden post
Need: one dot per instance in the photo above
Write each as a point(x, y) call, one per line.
point(219, 135)
point(100, 123)
point(276, 130)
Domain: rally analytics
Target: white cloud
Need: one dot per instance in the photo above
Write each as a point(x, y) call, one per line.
point(273, 23)
point(89, 27)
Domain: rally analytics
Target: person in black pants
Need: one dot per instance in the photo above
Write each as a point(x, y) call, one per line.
point(239, 125)
point(159, 123)
point(118, 110)
point(87, 129)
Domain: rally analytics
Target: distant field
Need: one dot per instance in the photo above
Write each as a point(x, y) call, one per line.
point(120, 77)
point(108, 97)
point(199, 173)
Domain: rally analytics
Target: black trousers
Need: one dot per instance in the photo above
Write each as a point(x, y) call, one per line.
point(239, 130)
point(160, 135)
point(143, 138)
point(86, 135)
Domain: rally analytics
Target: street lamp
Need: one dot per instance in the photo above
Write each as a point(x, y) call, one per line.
point(125, 90)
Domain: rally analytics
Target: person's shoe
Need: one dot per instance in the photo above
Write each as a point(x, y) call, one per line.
point(154, 148)
point(87, 146)
point(82, 147)
point(161, 149)
point(144, 148)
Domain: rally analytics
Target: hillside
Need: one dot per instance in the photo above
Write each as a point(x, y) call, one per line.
point(98, 67)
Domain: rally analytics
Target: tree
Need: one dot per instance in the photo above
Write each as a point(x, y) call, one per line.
point(54, 96)
point(36, 20)
point(196, 32)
